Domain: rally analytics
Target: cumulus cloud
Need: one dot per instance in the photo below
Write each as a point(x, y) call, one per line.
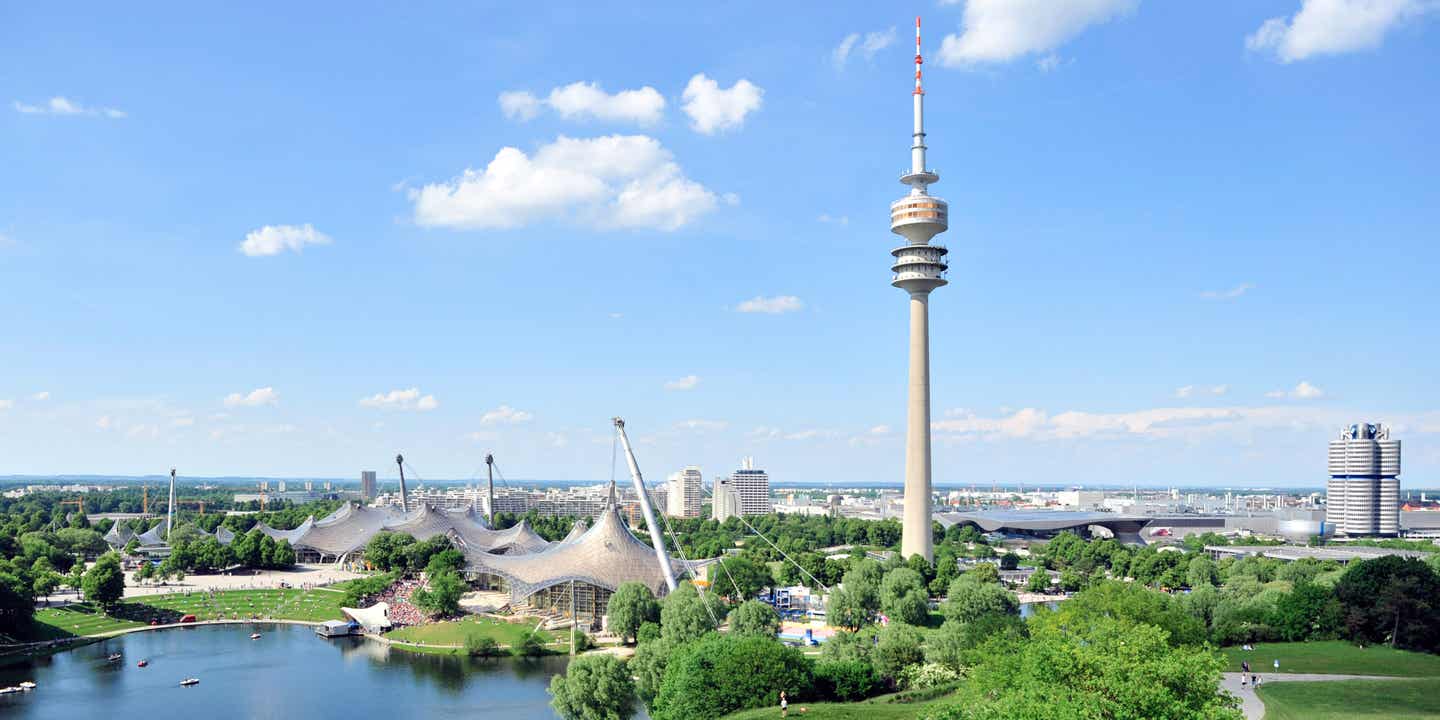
point(880, 430)
point(1230, 294)
point(6, 404)
point(1302, 391)
point(582, 100)
point(994, 31)
point(610, 182)
point(1192, 390)
point(685, 383)
point(254, 398)
point(64, 106)
point(865, 45)
point(702, 425)
point(838, 220)
point(505, 415)
point(408, 399)
point(713, 109)
point(275, 239)
point(771, 305)
point(41, 396)
point(103, 422)
point(1332, 27)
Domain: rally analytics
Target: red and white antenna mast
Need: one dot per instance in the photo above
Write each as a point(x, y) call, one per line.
point(918, 60)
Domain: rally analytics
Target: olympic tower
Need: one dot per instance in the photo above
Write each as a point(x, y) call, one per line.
point(919, 268)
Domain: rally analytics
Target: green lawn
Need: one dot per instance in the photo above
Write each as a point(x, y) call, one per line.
point(454, 632)
point(884, 707)
point(1352, 700)
point(84, 619)
point(1334, 657)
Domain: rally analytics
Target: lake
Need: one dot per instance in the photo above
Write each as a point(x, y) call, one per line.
point(288, 673)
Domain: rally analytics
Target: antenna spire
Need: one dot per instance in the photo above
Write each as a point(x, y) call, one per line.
point(918, 60)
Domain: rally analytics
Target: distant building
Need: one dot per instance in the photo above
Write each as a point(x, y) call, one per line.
point(280, 486)
point(725, 502)
point(683, 497)
point(367, 484)
point(753, 487)
point(1363, 495)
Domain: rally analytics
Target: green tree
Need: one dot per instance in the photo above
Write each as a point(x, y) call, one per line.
point(899, 647)
point(855, 604)
point(720, 674)
point(753, 617)
point(1135, 605)
point(530, 645)
point(1308, 612)
point(1391, 599)
point(1009, 561)
point(631, 606)
point(477, 645)
point(1039, 582)
point(17, 602)
point(105, 582)
point(845, 680)
point(648, 665)
point(958, 645)
point(686, 614)
point(442, 593)
point(903, 597)
point(970, 599)
point(1202, 572)
point(983, 573)
point(740, 574)
point(594, 687)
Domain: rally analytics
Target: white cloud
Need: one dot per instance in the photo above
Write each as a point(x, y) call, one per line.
point(1302, 391)
point(1003, 30)
point(182, 422)
point(1191, 390)
point(519, 105)
point(275, 239)
point(838, 220)
point(582, 100)
point(65, 106)
point(505, 415)
point(6, 404)
point(557, 440)
point(880, 430)
point(764, 431)
point(103, 422)
point(685, 383)
point(771, 305)
point(41, 396)
point(1332, 27)
point(6, 240)
point(610, 182)
point(409, 399)
point(866, 45)
point(811, 434)
point(142, 431)
point(702, 425)
point(1230, 294)
point(255, 398)
point(712, 109)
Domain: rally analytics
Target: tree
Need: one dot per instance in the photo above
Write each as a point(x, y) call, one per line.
point(648, 664)
point(856, 602)
point(983, 573)
point(742, 575)
point(753, 617)
point(386, 551)
point(530, 645)
point(1391, 599)
point(442, 595)
point(720, 674)
point(1202, 572)
point(1108, 669)
point(899, 646)
point(686, 614)
point(969, 600)
point(1134, 605)
point(1308, 612)
point(903, 597)
point(477, 645)
point(631, 606)
point(959, 645)
point(594, 687)
point(1039, 582)
point(105, 582)
point(845, 680)
point(283, 555)
point(1009, 561)
point(17, 602)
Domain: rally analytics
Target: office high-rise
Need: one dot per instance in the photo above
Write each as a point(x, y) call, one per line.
point(1363, 495)
point(367, 484)
point(683, 494)
point(752, 485)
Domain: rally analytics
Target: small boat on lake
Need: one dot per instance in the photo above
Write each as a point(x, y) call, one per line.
point(27, 685)
point(187, 682)
point(254, 636)
point(143, 663)
point(114, 657)
point(12, 689)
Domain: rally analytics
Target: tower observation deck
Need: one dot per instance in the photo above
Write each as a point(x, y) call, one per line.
point(919, 268)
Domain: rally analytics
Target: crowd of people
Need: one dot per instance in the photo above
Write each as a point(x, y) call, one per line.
point(397, 596)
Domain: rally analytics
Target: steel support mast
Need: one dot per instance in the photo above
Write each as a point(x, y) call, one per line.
point(404, 496)
point(656, 537)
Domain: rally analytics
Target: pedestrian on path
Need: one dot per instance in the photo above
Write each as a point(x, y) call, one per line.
point(784, 705)
point(1277, 665)
point(1245, 667)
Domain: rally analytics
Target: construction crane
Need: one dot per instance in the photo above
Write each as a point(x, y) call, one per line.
point(191, 503)
point(78, 502)
point(655, 537)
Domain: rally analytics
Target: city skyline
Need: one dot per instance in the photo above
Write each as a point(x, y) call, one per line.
point(1158, 227)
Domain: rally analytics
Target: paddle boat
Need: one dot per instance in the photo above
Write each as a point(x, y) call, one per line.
point(143, 663)
point(27, 685)
point(254, 636)
point(114, 657)
point(187, 682)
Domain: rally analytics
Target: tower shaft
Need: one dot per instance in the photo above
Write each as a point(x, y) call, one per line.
point(916, 538)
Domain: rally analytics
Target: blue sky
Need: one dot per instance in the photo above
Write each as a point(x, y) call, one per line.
point(1188, 240)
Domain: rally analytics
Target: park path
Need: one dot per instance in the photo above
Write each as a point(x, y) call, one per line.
point(1250, 702)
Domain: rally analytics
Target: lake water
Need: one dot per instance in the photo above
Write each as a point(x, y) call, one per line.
point(288, 673)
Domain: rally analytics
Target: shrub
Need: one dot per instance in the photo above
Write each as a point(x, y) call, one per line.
point(481, 646)
point(927, 675)
point(845, 680)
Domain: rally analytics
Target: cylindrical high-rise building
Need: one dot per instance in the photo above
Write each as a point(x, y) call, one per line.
point(1363, 495)
point(919, 267)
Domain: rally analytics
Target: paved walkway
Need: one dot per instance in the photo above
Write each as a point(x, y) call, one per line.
point(1255, 710)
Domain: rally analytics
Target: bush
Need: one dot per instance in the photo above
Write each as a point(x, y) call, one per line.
point(530, 645)
point(927, 675)
point(753, 617)
point(721, 674)
point(648, 631)
point(594, 687)
point(481, 646)
point(900, 646)
point(845, 680)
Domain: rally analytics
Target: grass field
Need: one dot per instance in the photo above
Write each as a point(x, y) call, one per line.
point(1334, 657)
point(454, 632)
point(1352, 700)
point(84, 619)
point(884, 707)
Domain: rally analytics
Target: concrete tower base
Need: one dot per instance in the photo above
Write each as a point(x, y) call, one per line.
point(915, 538)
